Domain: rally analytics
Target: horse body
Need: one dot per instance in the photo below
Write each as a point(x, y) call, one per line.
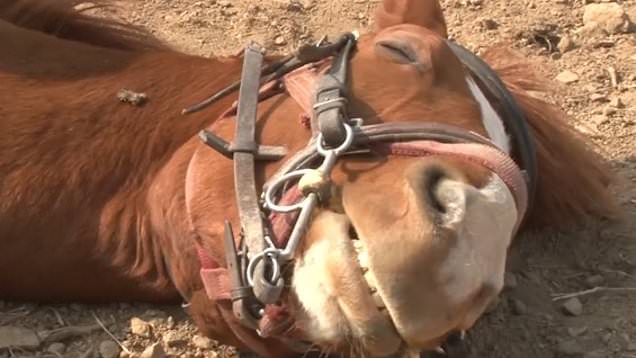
point(106, 201)
point(78, 164)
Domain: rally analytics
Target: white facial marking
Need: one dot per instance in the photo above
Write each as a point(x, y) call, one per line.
point(486, 228)
point(492, 121)
point(310, 283)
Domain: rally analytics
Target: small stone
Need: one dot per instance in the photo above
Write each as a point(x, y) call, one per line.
point(518, 307)
point(139, 327)
point(608, 111)
point(598, 97)
point(607, 337)
point(172, 339)
point(109, 349)
point(607, 17)
point(570, 349)
point(567, 77)
point(566, 44)
point(280, 41)
point(594, 280)
point(510, 280)
point(202, 342)
point(573, 307)
point(224, 3)
point(489, 24)
point(154, 351)
point(577, 331)
point(56, 348)
point(169, 322)
point(18, 337)
point(617, 103)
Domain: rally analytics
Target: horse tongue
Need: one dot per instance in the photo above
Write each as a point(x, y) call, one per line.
point(276, 321)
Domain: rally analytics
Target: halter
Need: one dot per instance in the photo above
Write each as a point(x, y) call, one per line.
point(274, 221)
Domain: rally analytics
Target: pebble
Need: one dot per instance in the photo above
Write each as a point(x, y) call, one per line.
point(489, 24)
point(202, 342)
point(607, 17)
point(617, 103)
point(608, 111)
point(56, 348)
point(139, 327)
point(154, 351)
point(566, 44)
point(169, 322)
point(510, 280)
point(573, 307)
point(172, 339)
point(570, 348)
point(518, 307)
point(598, 97)
point(567, 77)
point(109, 349)
point(18, 337)
point(577, 331)
point(280, 41)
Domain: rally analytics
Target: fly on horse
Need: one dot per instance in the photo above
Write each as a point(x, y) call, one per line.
point(358, 196)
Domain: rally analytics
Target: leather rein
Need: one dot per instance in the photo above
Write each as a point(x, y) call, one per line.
point(274, 219)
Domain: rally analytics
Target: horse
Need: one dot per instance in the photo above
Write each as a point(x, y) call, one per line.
point(415, 179)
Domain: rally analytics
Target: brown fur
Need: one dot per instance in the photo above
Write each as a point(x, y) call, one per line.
point(93, 202)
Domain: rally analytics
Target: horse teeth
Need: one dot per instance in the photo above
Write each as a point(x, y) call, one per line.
point(378, 300)
point(357, 245)
point(462, 335)
point(440, 350)
point(363, 258)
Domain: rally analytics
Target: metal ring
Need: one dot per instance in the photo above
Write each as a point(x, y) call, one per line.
point(342, 148)
point(271, 255)
point(269, 201)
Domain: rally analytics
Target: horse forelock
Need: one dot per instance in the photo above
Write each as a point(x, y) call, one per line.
point(70, 19)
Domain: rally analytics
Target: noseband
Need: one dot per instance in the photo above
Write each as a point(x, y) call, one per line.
point(274, 221)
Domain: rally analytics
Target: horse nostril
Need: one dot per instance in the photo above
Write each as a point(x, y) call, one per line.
point(430, 181)
point(441, 189)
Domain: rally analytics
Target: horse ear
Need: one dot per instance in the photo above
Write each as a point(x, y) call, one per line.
point(425, 13)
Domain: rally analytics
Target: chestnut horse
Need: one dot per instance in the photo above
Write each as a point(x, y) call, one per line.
point(105, 200)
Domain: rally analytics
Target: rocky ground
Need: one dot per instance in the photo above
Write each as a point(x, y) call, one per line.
point(588, 49)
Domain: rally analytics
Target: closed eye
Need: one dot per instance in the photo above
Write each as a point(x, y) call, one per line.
point(398, 51)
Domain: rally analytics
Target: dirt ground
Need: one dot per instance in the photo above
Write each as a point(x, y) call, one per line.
point(528, 322)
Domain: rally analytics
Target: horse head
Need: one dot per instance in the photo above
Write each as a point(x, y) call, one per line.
point(409, 243)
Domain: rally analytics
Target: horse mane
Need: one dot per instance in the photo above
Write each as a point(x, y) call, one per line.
point(574, 178)
point(70, 20)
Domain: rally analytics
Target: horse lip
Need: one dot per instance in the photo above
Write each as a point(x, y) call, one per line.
point(381, 324)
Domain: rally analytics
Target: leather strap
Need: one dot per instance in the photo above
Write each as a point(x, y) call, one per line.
point(244, 149)
point(513, 116)
point(330, 109)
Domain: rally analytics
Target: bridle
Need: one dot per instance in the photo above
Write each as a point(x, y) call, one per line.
point(274, 221)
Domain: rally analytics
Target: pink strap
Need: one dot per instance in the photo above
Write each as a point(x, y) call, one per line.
point(215, 278)
point(491, 158)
